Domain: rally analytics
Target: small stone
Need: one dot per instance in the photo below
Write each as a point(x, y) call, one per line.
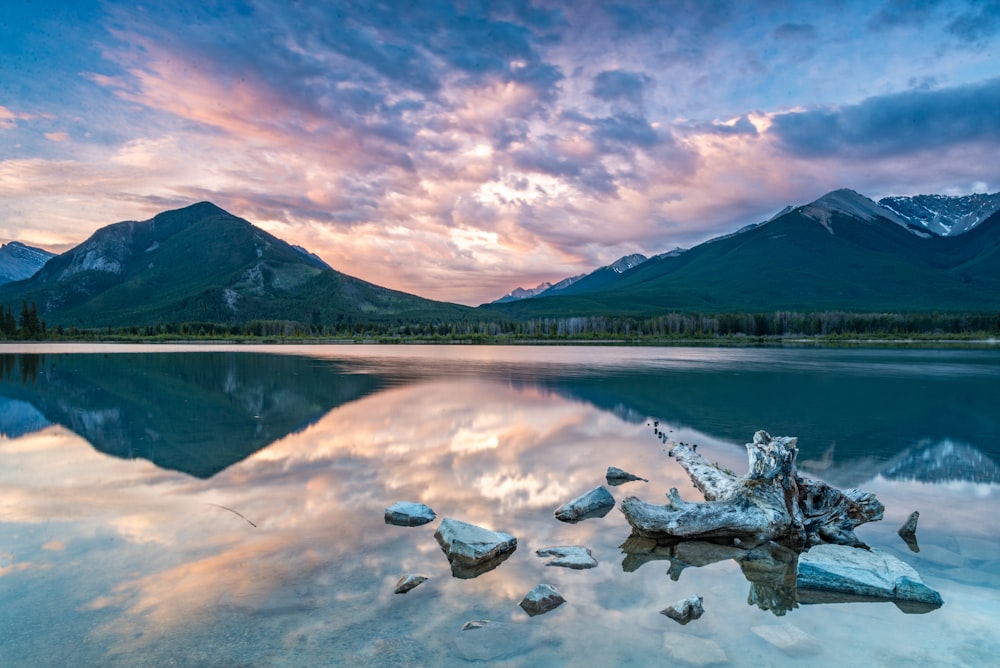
point(685, 610)
point(790, 639)
point(541, 599)
point(908, 532)
point(569, 556)
point(408, 514)
point(408, 582)
point(597, 502)
point(693, 650)
point(616, 476)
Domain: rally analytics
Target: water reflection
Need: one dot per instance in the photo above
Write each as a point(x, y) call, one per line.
point(197, 413)
point(116, 561)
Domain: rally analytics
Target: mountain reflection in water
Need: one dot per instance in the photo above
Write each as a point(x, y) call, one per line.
point(203, 411)
point(194, 412)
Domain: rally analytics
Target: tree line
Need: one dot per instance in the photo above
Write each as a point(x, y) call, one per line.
point(26, 326)
point(666, 327)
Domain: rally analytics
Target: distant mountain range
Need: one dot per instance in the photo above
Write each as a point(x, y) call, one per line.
point(18, 261)
point(841, 252)
point(941, 215)
point(203, 264)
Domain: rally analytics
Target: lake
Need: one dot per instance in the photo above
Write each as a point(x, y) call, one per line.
point(224, 505)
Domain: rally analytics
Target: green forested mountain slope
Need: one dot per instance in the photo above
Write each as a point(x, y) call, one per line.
point(201, 263)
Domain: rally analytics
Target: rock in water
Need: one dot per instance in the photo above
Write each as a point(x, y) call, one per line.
point(473, 550)
point(616, 476)
point(595, 503)
point(569, 556)
point(541, 599)
point(408, 582)
point(408, 514)
point(685, 610)
point(908, 532)
point(839, 573)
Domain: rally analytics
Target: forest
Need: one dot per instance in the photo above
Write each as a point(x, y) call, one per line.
point(669, 327)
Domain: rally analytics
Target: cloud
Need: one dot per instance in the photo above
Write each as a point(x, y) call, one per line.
point(978, 24)
point(613, 85)
point(897, 124)
point(902, 14)
point(795, 32)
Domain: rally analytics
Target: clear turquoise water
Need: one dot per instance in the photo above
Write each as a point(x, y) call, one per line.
point(221, 506)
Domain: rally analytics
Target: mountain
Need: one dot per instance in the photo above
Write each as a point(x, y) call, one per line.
point(523, 293)
point(568, 286)
point(941, 214)
point(18, 261)
point(201, 263)
point(841, 252)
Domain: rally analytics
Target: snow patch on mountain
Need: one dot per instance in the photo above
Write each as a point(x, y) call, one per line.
point(623, 264)
point(18, 261)
point(944, 215)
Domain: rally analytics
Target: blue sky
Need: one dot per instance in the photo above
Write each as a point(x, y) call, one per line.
point(458, 150)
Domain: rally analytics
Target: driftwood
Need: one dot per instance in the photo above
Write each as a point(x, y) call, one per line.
point(770, 503)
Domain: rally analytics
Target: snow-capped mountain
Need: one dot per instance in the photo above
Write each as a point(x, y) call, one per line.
point(524, 293)
point(18, 261)
point(943, 215)
point(623, 264)
point(619, 266)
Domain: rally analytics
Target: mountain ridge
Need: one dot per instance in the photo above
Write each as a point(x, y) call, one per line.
point(201, 263)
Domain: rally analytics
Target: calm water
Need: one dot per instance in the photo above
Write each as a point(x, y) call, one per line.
point(224, 506)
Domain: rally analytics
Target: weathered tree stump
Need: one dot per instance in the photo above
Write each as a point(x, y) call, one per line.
point(770, 503)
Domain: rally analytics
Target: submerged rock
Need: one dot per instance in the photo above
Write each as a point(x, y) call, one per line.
point(595, 503)
point(568, 556)
point(838, 573)
point(616, 476)
point(473, 550)
point(485, 640)
point(788, 638)
point(408, 582)
point(692, 650)
point(408, 514)
point(541, 599)
point(685, 610)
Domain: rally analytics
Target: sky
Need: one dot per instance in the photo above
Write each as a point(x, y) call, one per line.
point(457, 150)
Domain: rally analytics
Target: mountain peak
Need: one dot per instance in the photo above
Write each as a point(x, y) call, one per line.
point(627, 262)
point(851, 203)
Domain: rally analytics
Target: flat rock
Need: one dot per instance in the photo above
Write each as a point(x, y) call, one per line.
point(473, 550)
point(408, 582)
point(839, 573)
point(789, 638)
point(408, 514)
point(541, 599)
point(485, 640)
point(568, 556)
point(597, 502)
point(685, 610)
point(693, 650)
point(616, 476)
